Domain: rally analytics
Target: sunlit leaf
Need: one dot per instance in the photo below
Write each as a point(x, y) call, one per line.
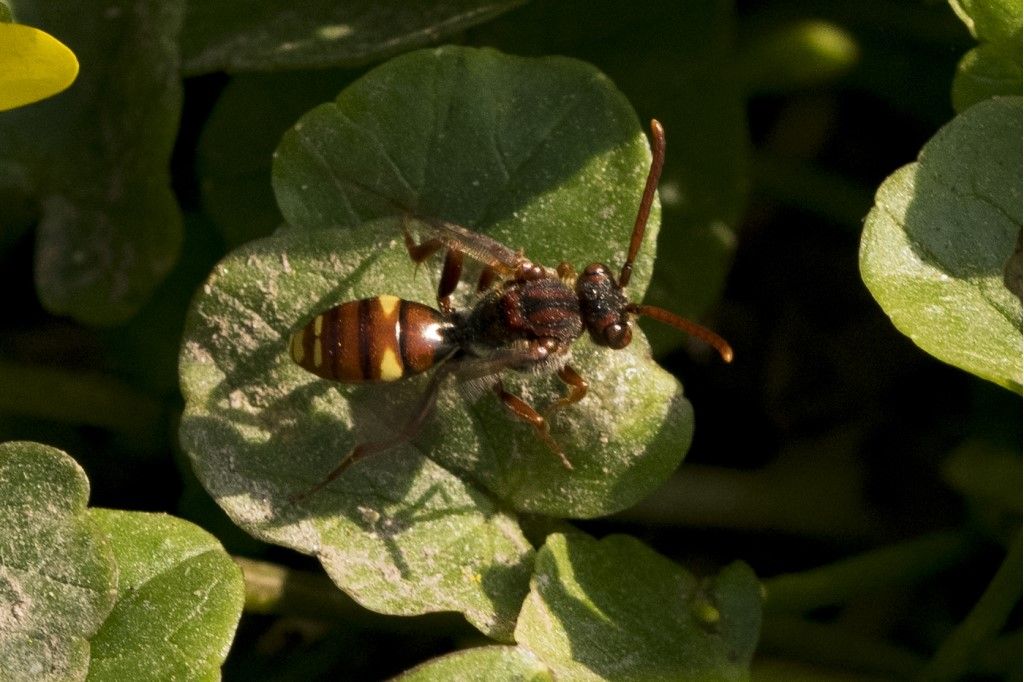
point(58, 576)
point(179, 600)
point(935, 244)
point(566, 157)
point(545, 155)
point(482, 664)
point(616, 610)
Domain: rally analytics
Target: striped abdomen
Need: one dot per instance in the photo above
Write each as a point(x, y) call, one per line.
point(373, 339)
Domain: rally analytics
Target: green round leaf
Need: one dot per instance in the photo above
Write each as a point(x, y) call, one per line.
point(539, 153)
point(542, 154)
point(935, 244)
point(614, 609)
point(401, 534)
point(260, 429)
point(58, 577)
point(179, 600)
point(265, 36)
point(507, 663)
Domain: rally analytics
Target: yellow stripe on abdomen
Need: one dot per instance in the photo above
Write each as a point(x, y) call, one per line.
point(388, 304)
point(298, 354)
point(390, 366)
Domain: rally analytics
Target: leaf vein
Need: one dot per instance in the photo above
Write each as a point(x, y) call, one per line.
point(559, 121)
point(384, 151)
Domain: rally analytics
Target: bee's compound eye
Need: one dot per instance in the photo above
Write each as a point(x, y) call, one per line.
point(618, 335)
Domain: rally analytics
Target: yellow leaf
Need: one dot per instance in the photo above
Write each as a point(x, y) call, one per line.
point(33, 65)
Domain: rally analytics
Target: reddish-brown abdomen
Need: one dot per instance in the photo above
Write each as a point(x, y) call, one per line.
point(384, 338)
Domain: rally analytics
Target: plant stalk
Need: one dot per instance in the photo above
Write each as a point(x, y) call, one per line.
point(81, 398)
point(903, 563)
point(983, 623)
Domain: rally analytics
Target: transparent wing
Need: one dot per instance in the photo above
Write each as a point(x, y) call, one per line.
point(502, 259)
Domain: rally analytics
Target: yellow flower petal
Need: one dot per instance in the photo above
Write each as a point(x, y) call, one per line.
point(33, 65)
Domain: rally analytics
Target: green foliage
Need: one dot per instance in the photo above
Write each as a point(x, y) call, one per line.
point(104, 594)
point(179, 600)
point(942, 230)
point(265, 35)
point(260, 429)
point(58, 574)
point(550, 149)
point(994, 66)
point(514, 664)
point(94, 164)
point(676, 62)
point(615, 610)
point(277, 148)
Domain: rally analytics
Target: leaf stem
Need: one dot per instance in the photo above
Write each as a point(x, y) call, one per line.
point(77, 398)
point(835, 646)
point(776, 669)
point(811, 503)
point(983, 623)
point(902, 563)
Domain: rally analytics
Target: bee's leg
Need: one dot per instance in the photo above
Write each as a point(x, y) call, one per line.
point(577, 388)
point(407, 433)
point(488, 276)
point(421, 252)
point(523, 411)
point(450, 275)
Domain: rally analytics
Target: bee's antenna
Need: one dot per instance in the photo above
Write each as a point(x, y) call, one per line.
point(684, 325)
point(657, 162)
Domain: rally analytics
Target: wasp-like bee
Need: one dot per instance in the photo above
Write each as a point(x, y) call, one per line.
point(526, 318)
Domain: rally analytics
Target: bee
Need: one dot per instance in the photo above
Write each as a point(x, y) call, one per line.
point(526, 318)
